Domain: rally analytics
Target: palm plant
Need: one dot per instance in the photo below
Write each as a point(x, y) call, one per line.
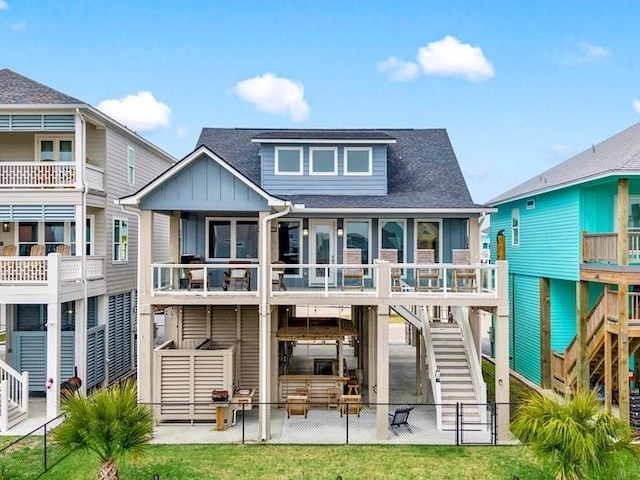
point(574, 436)
point(111, 424)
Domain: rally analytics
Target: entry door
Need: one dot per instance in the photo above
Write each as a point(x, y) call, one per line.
point(322, 250)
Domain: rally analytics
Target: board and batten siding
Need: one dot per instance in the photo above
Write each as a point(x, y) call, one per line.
point(122, 276)
point(563, 313)
point(549, 235)
point(305, 184)
point(526, 327)
point(205, 185)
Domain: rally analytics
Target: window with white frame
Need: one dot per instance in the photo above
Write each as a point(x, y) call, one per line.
point(322, 161)
point(232, 239)
point(88, 237)
point(120, 240)
point(392, 235)
point(54, 148)
point(515, 227)
point(288, 161)
point(358, 161)
point(131, 166)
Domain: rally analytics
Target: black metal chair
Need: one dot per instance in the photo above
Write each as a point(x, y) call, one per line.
point(400, 418)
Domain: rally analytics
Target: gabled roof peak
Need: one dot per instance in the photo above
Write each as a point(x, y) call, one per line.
point(16, 89)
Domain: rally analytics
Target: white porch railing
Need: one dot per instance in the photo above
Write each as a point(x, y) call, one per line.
point(94, 177)
point(14, 387)
point(205, 279)
point(37, 174)
point(461, 316)
point(37, 270)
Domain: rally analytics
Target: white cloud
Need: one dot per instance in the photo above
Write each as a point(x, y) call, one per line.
point(587, 53)
point(3, 5)
point(398, 70)
point(19, 26)
point(141, 112)
point(636, 106)
point(451, 57)
point(273, 94)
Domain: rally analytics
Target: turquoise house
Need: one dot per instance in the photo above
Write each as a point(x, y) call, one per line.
point(572, 236)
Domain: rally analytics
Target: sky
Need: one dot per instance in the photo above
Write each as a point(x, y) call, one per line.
point(519, 85)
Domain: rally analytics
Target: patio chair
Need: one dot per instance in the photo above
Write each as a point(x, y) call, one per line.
point(277, 276)
point(63, 249)
point(464, 279)
point(9, 251)
point(427, 279)
point(400, 418)
point(391, 255)
point(37, 251)
point(350, 404)
point(195, 275)
point(353, 256)
point(297, 405)
point(333, 397)
point(236, 278)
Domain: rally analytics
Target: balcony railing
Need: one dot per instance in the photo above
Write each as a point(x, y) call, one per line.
point(94, 177)
point(40, 270)
point(37, 174)
point(603, 247)
point(326, 280)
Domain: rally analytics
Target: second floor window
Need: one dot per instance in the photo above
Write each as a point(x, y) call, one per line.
point(358, 161)
point(51, 148)
point(131, 166)
point(232, 239)
point(515, 227)
point(322, 161)
point(120, 240)
point(288, 161)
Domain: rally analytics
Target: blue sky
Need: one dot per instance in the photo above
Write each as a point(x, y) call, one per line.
point(520, 86)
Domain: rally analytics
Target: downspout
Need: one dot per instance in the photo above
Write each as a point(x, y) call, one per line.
point(264, 327)
point(81, 242)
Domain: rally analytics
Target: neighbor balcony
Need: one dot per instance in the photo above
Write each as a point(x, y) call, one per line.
point(47, 175)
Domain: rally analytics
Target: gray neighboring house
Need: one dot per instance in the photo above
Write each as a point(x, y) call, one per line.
point(69, 253)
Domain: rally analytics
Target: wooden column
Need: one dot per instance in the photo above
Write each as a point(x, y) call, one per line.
point(382, 373)
point(371, 352)
point(582, 361)
point(623, 352)
point(608, 377)
point(623, 222)
point(545, 333)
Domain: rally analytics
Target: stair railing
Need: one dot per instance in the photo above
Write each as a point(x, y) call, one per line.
point(432, 366)
point(14, 387)
point(461, 316)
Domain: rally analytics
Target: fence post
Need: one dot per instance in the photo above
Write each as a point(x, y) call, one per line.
point(347, 409)
point(458, 423)
point(243, 404)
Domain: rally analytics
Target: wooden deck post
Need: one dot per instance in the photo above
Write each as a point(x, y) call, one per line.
point(608, 377)
point(582, 360)
point(623, 352)
point(382, 373)
point(545, 334)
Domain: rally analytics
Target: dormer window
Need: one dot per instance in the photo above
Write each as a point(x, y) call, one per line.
point(323, 161)
point(358, 161)
point(288, 161)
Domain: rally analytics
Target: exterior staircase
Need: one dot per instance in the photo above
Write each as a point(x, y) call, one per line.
point(564, 365)
point(14, 396)
point(455, 375)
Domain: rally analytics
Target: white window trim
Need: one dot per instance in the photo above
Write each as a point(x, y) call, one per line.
point(370, 239)
point(515, 214)
point(56, 146)
point(403, 221)
point(131, 166)
point(357, 149)
point(415, 237)
point(276, 167)
point(233, 221)
point(121, 219)
point(323, 149)
point(300, 245)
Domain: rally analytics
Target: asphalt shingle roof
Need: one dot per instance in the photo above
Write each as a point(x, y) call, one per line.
point(422, 169)
point(16, 89)
point(618, 153)
point(324, 135)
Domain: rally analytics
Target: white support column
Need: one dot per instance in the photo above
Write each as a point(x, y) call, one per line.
point(80, 347)
point(80, 156)
point(502, 352)
point(474, 240)
point(53, 341)
point(145, 313)
point(275, 360)
point(382, 376)
point(371, 352)
point(474, 322)
point(264, 320)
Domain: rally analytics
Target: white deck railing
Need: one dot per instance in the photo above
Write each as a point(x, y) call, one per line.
point(37, 270)
point(37, 174)
point(204, 279)
point(14, 387)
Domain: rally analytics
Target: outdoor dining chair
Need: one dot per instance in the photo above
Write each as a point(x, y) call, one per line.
point(427, 279)
point(353, 276)
point(391, 255)
point(464, 279)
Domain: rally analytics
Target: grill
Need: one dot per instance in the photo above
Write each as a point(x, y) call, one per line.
point(219, 395)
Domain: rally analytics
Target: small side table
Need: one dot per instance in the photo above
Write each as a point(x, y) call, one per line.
point(221, 415)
